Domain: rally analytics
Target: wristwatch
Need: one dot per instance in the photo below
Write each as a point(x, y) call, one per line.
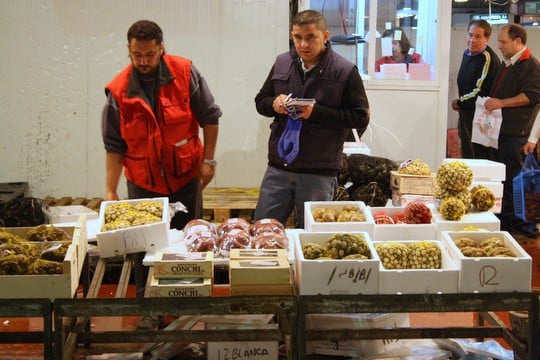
point(210, 162)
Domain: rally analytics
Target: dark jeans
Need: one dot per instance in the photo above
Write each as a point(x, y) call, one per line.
point(510, 153)
point(281, 192)
point(191, 196)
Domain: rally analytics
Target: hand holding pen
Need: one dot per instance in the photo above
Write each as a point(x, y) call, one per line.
point(280, 103)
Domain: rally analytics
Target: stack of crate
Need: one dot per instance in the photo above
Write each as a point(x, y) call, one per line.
point(408, 188)
point(182, 274)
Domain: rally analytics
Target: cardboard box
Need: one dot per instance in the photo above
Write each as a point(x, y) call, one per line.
point(399, 199)
point(485, 220)
point(274, 289)
point(354, 348)
point(172, 265)
point(497, 187)
point(332, 277)
point(385, 232)
point(241, 254)
point(483, 170)
point(259, 272)
point(260, 350)
point(228, 350)
point(186, 287)
point(490, 274)
point(421, 281)
point(412, 184)
point(68, 213)
point(312, 225)
point(54, 285)
point(149, 237)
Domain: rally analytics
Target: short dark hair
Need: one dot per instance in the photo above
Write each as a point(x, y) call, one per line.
point(517, 31)
point(404, 42)
point(308, 17)
point(145, 30)
point(483, 24)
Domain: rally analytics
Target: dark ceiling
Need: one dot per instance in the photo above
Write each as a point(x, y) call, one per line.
point(481, 6)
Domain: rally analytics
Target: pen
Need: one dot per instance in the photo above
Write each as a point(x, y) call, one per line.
point(288, 97)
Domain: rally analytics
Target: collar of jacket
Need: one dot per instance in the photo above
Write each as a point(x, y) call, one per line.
point(135, 88)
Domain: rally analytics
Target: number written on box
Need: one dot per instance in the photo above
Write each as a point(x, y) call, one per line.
point(354, 274)
point(488, 276)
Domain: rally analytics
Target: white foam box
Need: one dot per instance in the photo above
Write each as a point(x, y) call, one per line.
point(354, 348)
point(333, 277)
point(490, 274)
point(148, 237)
point(50, 286)
point(68, 213)
point(312, 225)
point(485, 220)
point(496, 188)
point(420, 281)
point(385, 232)
point(483, 170)
point(173, 265)
point(412, 184)
point(185, 287)
point(241, 254)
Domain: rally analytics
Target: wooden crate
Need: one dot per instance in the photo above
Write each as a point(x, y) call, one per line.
point(50, 285)
point(93, 203)
point(221, 204)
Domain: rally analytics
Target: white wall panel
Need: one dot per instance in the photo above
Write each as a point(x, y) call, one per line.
point(58, 55)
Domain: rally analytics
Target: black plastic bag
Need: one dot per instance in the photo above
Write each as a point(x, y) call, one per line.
point(21, 212)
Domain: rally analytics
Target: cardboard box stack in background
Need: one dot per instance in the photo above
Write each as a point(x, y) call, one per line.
point(260, 272)
point(408, 188)
point(182, 275)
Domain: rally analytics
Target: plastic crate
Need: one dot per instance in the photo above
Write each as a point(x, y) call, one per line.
point(526, 188)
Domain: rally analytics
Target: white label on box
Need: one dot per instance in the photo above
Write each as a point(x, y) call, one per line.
point(235, 350)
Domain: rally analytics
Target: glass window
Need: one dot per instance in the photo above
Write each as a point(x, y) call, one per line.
point(402, 33)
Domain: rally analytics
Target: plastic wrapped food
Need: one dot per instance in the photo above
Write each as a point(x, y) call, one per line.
point(198, 225)
point(234, 239)
point(201, 241)
point(233, 223)
point(267, 225)
point(270, 240)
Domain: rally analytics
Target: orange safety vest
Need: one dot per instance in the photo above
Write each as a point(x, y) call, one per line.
point(164, 151)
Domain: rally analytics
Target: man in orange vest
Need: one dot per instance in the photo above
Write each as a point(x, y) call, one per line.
point(150, 128)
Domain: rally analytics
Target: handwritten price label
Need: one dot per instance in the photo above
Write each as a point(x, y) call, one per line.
point(353, 274)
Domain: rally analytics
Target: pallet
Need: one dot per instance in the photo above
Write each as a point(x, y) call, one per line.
point(220, 204)
point(93, 203)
